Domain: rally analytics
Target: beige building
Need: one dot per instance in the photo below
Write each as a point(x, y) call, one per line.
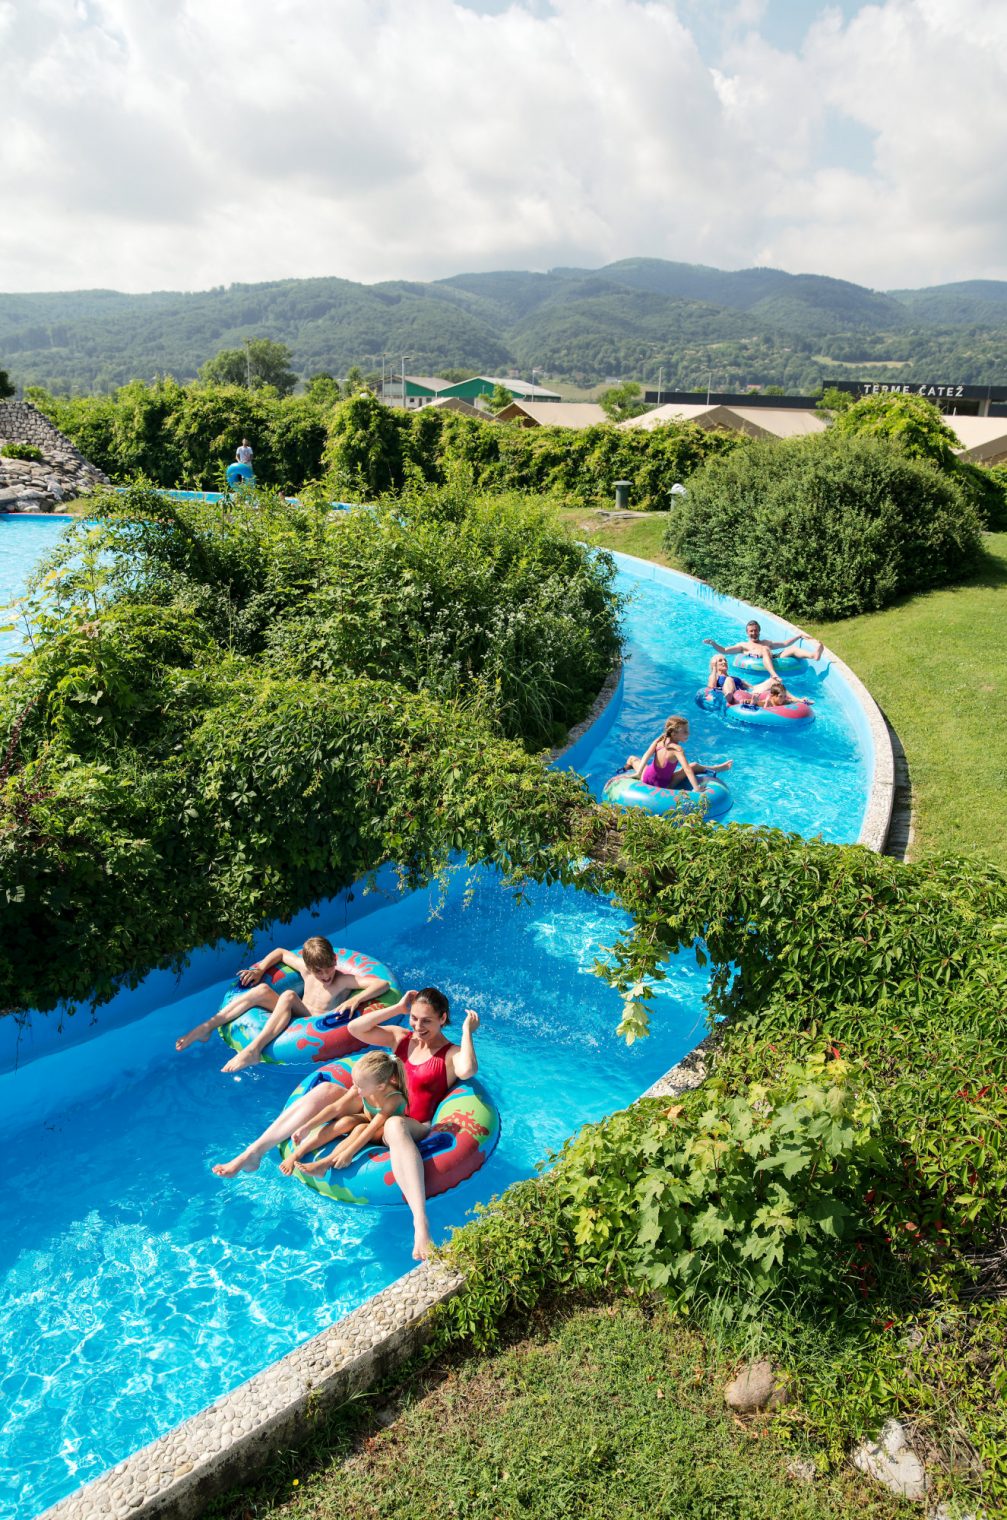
point(983, 439)
point(568, 414)
point(756, 421)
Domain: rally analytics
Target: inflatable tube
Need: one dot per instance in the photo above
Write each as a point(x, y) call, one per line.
point(466, 1128)
point(324, 1038)
point(750, 664)
point(625, 790)
point(238, 473)
point(793, 716)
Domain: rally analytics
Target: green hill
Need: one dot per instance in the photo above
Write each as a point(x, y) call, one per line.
point(634, 317)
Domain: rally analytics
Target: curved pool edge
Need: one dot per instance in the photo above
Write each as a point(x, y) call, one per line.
point(861, 706)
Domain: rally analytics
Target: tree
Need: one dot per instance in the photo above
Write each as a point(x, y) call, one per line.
point(498, 398)
point(622, 401)
point(260, 362)
point(6, 389)
point(324, 390)
point(833, 400)
point(912, 422)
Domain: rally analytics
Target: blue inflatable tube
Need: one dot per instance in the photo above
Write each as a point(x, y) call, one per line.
point(625, 790)
point(237, 473)
point(793, 716)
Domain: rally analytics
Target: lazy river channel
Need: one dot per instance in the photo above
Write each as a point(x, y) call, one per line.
point(136, 1286)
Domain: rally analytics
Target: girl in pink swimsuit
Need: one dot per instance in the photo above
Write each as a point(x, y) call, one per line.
point(663, 763)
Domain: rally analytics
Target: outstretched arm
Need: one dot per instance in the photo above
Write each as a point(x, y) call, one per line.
point(726, 648)
point(464, 1063)
point(679, 754)
point(368, 1027)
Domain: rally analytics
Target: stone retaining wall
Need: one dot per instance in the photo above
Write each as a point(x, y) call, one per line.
point(63, 475)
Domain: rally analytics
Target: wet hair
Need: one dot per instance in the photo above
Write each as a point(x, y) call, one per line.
point(776, 690)
point(317, 953)
point(673, 724)
point(381, 1066)
point(438, 1002)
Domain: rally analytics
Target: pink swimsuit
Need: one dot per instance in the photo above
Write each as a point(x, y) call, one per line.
point(656, 774)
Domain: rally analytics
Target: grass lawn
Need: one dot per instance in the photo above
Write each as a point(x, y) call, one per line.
point(602, 1413)
point(925, 662)
point(629, 535)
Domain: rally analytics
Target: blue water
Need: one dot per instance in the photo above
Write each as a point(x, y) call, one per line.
point(138, 1287)
point(24, 539)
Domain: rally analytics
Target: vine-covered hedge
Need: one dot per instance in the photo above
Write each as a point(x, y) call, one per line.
point(373, 449)
point(825, 527)
point(197, 743)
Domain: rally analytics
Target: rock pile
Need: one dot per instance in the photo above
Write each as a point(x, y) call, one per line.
point(63, 475)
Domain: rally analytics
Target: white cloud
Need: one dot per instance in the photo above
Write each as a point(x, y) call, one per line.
point(170, 143)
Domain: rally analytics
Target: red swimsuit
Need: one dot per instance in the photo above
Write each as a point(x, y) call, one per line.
point(427, 1083)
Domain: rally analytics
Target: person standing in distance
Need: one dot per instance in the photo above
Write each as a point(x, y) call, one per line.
point(243, 453)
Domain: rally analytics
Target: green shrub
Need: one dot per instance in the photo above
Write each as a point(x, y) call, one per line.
point(185, 435)
point(988, 487)
point(824, 527)
point(723, 1192)
point(22, 451)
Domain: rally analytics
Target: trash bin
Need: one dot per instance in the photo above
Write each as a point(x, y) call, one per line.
point(622, 495)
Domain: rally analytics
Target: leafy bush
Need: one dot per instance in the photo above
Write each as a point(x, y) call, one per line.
point(988, 487)
point(185, 435)
point(824, 527)
point(22, 451)
point(724, 1192)
point(716, 1194)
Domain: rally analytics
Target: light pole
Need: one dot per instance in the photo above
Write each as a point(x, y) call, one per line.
point(248, 363)
point(709, 386)
point(404, 358)
point(660, 384)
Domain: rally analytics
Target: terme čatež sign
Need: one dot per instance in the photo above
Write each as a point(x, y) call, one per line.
point(909, 388)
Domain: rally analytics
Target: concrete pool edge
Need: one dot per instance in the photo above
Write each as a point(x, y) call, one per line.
point(872, 726)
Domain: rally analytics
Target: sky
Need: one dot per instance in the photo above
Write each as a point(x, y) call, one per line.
point(183, 144)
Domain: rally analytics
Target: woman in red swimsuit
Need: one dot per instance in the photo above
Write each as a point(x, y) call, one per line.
point(432, 1066)
point(663, 763)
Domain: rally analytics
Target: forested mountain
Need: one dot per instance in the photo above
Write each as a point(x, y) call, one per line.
point(634, 318)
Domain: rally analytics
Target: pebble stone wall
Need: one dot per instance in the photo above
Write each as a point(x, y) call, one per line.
point(227, 1444)
point(26, 486)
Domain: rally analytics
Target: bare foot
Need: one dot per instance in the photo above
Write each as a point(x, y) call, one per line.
point(315, 1168)
point(248, 1161)
point(287, 1165)
point(421, 1244)
point(201, 1032)
point(247, 1057)
point(819, 649)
